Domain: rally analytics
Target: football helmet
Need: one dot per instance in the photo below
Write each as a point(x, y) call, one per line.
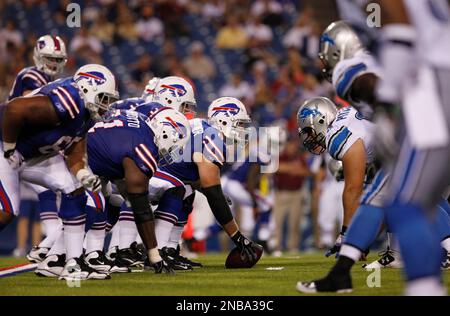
point(172, 91)
point(339, 41)
point(229, 116)
point(98, 88)
point(313, 119)
point(172, 132)
point(50, 54)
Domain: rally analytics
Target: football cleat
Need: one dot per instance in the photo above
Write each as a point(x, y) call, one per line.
point(112, 253)
point(331, 283)
point(445, 263)
point(139, 251)
point(77, 269)
point(51, 266)
point(388, 259)
point(185, 260)
point(170, 255)
point(98, 261)
point(129, 257)
point(37, 254)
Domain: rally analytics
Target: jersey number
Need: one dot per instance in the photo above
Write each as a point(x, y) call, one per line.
point(114, 123)
point(61, 144)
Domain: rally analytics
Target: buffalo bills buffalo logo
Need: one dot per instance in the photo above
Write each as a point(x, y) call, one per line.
point(176, 90)
point(92, 76)
point(180, 128)
point(230, 108)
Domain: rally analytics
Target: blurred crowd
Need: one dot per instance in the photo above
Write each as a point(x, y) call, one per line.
point(263, 52)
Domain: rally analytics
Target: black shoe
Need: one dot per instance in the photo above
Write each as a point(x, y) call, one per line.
point(51, 266)
point(388, 259)
point(129, 257)
point(120, 266)
point(140, 252)
point(98, 261)
point(170, 256)
point(445, 263)
point(333, 282)
point(185, 260)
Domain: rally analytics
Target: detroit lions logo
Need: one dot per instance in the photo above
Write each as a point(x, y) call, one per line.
point(305, 112)
point(176, 90)
point(96, 76)
point(325, 38)
point(231, 108)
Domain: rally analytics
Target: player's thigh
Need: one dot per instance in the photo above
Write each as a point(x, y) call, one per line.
point(51, 173)
point(420, 176)
point(9, 187)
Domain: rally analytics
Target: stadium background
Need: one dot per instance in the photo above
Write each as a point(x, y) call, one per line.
point(262, 52)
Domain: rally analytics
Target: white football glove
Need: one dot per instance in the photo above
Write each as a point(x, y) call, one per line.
point(13, 157)
point(90, 181)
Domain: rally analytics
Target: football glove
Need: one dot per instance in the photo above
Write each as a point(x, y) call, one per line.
point(246, 246)
point(337, 246)
point(89, 181)
point(162, 267)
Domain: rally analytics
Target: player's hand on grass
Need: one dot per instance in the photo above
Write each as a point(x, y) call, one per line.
point(246, 246)
point(336, 248)
point(162, 267)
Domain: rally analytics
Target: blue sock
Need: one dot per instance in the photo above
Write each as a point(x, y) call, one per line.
point(419, 242)
point(264, 217)
point(364, 227)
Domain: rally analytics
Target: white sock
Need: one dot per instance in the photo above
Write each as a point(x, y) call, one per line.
point(138, 240)
point(175, 236)
point(162, 231)
point(264, 232)
point(50, 239)
point(428, 286)
point(392, 242)
point(49, 222)
point(350, 252)
point(128, 233)
point(59, 246)
point(95, 237)
point(115, 236)
point(74, 236)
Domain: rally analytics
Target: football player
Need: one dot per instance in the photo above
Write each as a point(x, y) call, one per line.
point(57, 118)
point(50, 57)
point(414, 39)
point(145, 144)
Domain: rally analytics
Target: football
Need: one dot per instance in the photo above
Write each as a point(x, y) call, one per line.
point(234, 260)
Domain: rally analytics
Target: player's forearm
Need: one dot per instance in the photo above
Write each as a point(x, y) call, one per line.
point(13, 121)
point(350, 199)
point(76, 157)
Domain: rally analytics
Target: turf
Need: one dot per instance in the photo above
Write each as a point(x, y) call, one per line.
point(212, 280)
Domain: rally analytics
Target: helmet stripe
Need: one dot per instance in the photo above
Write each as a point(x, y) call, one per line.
point(56, 42)
point(85, 74)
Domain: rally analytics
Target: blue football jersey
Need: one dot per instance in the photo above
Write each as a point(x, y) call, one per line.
point(74, 118)
point(205, 139)
point(138, 105)
point(124, 135)
point(28, 79)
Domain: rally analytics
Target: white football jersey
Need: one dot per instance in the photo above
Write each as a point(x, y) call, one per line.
point(345, 73)
point(346, 129)
point(431, 20)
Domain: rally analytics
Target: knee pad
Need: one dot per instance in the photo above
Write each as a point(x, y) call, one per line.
point(72, 205)
point(47, 201)
point(141, 207)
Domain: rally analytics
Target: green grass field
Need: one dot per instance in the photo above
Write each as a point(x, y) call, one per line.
point(211, 280)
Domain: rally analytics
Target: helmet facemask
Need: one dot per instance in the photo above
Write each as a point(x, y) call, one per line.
point(313, 142)
point(101, 104)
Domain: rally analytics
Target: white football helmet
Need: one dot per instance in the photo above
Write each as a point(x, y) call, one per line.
point(313, 119)
point(97, 85)
point(229, 116)
point(174, 92)
point(50, 54)
point(172, 132)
